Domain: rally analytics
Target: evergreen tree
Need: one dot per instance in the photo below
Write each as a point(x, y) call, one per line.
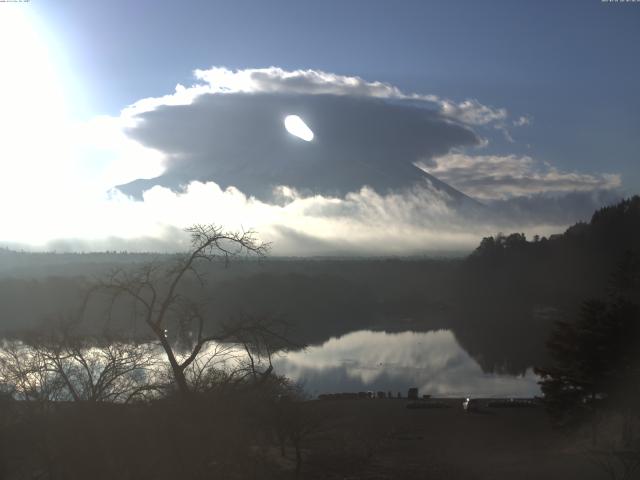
point(597, 357)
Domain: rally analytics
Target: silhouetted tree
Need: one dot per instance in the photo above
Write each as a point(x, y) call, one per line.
point(597, 358)
point(164, 299)
point(95, 368)
point(295, 420)
point(61, 365)
point(26, 374)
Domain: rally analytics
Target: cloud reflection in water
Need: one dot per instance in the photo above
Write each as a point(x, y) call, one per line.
point(367, 360)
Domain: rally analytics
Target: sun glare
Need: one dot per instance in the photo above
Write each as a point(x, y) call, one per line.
point(296, 127)
point(33, 115)
point(31, 88)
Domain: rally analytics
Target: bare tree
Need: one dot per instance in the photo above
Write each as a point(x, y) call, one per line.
point(61, 365)
point(295, 421)
point(98, 369)
point(26, 374)
point(170, 294)
point(261, 338)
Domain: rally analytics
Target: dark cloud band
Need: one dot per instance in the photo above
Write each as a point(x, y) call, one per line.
point(239, 140)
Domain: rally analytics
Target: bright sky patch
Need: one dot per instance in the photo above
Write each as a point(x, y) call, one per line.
point(296, 127)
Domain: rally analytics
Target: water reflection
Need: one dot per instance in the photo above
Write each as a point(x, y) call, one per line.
point(359, 361)
point(432, 361)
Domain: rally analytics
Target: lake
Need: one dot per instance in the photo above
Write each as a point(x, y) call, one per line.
point(378, 361)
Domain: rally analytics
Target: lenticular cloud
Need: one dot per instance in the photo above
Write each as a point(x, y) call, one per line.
point(367, 182)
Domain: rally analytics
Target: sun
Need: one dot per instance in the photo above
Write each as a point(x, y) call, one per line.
point(33, 116)
point(296, 127)
point(31, 86)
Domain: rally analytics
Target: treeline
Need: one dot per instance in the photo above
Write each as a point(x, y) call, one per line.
point(562, 267)
point(321, 298)
point(511, 290)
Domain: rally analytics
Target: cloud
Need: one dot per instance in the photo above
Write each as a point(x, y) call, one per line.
point(361, 223)
point(240, 140)
point(495, 177)
point(559, 209)
point(414, 221)
point(275, 80)
point(218, 152)
point(522, 121)
point(505, 132)
point(471, 112)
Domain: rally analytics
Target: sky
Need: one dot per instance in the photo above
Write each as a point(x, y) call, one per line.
point(445, 121)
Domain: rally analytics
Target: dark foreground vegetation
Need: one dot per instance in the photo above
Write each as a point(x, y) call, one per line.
point(220, 434)
point(235, 435)
point(159, 368)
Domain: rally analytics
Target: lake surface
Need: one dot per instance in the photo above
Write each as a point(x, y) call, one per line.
point(378, 361)
point(363, 360)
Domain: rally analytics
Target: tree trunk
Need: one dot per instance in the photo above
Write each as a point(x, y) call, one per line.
point(178, 373)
